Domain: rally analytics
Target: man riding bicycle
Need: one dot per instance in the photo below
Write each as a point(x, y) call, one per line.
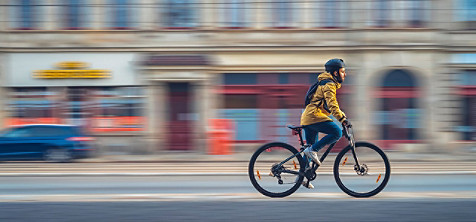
point(323, 103)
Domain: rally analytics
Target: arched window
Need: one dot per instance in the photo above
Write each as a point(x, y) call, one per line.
point(399, 78)
point(400, 114)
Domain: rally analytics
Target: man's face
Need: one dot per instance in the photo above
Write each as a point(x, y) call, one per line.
point(341, 73)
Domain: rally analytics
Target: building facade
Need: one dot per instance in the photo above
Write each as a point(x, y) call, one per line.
point(150, 75)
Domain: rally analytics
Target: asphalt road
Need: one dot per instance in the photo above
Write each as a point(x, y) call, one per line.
point(244, 210)
point(421, 197)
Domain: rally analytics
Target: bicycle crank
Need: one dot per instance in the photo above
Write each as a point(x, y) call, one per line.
point(310, 174)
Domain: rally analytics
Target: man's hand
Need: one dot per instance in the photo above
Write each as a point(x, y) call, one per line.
point(346, 123)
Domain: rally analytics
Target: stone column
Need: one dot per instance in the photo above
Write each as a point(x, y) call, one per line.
point(49, 15)
point(305, 14)
point(148, 16)
point(97, 14)
point(55, 15)
point(155, 112)
point(208, 15)
point(150, 114)
point(260, 12)
point(367, 105)
point(205, 107)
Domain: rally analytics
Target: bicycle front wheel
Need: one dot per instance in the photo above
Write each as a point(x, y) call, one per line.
point(367, 178)
point(271, 174)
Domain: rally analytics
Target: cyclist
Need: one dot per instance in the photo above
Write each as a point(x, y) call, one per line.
point(315, 117)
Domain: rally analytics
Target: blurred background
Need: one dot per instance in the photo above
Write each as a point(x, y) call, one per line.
point(223, 76)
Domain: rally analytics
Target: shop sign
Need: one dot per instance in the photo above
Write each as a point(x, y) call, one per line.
point(72, 70)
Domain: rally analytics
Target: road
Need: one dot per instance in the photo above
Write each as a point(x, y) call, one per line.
point(163, 187)
point(241, 210)
point(135, 192)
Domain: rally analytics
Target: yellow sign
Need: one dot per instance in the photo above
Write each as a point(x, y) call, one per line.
point(72, 65)
point(72, 70)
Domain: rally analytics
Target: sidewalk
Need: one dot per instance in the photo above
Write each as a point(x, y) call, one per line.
point(200, 164)
point(394, 157)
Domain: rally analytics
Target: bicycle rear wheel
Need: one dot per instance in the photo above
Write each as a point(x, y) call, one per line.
point(367, 179)
point(269, 176)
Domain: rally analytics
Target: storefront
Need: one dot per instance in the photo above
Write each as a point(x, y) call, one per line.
point(98, 91)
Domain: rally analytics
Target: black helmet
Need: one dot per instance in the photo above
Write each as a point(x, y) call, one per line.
point(334, 65)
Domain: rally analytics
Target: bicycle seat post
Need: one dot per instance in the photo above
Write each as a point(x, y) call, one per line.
point(299, 133)
point(297, 130)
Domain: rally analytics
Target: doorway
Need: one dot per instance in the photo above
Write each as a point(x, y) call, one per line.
point(180, 116)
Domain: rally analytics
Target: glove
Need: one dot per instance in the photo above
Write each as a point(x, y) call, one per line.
point(346, 123)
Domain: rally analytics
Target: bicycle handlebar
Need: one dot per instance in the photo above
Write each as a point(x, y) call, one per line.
point(347, 131)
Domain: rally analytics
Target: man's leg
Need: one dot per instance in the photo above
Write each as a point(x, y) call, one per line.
point(311, 134)
point(333, 132)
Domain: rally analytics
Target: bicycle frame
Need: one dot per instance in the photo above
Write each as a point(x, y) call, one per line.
point(348, 133)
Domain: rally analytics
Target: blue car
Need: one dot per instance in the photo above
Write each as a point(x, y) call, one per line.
point(53, 143)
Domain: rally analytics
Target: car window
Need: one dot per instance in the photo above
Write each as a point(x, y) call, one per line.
point(50, 131)
point(19, 132)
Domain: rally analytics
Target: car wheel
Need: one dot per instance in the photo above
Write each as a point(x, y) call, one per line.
point(57, 155)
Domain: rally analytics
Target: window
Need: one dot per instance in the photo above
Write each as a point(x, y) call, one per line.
point(30, 103)
point(25, 14)
point(403, 13)
point(240, 79)
point(120, 14)
point(120, 101)
point(75, 14)
point(416, 13)
point(332, 13)
point(282, 13)
point(467, 125)
point(382, 13)
point(180, 13)
point(283, 78)
point(17, 132)
point(466, 13)
point(235, 13)
point(399, 78)
point(118, 109)
point(50, 131)
point(241, 101)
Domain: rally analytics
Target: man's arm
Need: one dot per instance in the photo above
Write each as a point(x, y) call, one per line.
point(331, 99)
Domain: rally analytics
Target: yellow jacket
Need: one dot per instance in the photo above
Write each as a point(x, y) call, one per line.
point(315, 111)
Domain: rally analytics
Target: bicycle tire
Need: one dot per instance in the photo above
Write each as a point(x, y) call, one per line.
point(360, 146)
point(251, 170)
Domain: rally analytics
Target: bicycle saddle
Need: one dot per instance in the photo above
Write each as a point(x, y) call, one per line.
point(295, 127)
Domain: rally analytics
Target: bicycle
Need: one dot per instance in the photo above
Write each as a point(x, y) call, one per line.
point(277, 169)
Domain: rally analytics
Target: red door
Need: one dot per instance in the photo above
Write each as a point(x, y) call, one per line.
point(179, 121)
